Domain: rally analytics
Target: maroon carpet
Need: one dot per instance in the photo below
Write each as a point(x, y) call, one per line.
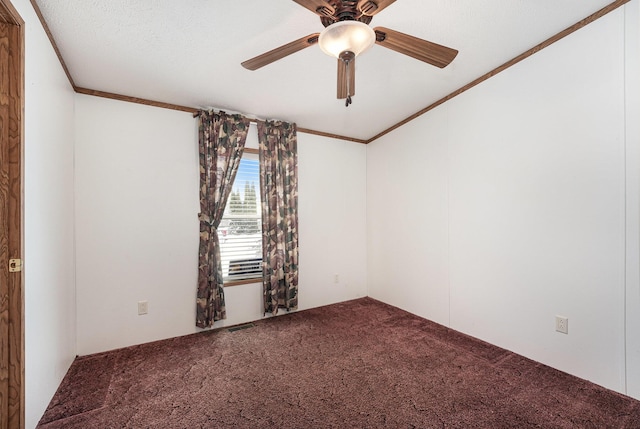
point(359, 364)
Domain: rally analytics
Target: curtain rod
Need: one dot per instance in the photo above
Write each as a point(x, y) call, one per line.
point(251, 120)
point(197, 113)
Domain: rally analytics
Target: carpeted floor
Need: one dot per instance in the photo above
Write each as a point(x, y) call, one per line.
point(359, 364)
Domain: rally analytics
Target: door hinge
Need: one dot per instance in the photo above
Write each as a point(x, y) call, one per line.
point(15, 265)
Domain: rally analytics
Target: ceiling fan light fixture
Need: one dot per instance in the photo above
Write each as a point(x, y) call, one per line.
point(351, 36)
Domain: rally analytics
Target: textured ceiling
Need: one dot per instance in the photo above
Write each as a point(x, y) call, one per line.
point(189, 53)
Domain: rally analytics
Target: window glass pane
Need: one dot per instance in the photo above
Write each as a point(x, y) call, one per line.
point(240, 231)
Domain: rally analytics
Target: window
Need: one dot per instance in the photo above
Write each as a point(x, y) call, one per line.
point(240, 231)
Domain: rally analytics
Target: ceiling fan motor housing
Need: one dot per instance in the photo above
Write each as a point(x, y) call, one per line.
point(346, 10)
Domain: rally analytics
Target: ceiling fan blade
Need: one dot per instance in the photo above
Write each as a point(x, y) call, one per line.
point(346, 78)
point(281, 52)
point(371, 7)
point(429, 52)
point(319, 7)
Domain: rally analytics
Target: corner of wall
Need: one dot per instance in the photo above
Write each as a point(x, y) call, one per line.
point(632, 159)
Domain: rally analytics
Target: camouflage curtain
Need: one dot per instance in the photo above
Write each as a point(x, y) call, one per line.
point(279, 195)
point(221, 140)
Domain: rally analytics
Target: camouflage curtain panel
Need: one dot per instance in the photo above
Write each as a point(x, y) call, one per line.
point(279, 195)
point(221, 140)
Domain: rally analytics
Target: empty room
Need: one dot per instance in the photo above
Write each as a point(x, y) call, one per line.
point(320, 213)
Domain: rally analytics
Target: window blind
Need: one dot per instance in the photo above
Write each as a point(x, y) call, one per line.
point(240, 231)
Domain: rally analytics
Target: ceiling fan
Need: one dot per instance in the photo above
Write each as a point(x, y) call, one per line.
point(347, 34)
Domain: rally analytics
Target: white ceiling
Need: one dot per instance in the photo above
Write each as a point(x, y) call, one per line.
point(189, 53)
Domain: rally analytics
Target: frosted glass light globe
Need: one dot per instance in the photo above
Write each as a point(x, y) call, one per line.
point(352, 36)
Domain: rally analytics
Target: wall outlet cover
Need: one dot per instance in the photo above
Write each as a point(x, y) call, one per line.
point(562, 324)
point(143, 307)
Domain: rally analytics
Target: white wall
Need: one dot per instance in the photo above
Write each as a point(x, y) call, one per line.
point(632, 139)
point(137, 225)
point(136, 222)
point(332, 204)
point(50, 334)
point(506, 206)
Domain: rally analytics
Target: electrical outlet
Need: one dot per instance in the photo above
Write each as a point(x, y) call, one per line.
point(336, 278)
point(562, 324)
point(143, 307)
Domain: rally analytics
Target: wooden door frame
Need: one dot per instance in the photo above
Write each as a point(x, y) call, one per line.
point(12, 399)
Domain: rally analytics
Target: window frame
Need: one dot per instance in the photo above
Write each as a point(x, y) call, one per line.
point(253, 279)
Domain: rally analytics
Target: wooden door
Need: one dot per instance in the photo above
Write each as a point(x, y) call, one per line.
point(11, 149)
